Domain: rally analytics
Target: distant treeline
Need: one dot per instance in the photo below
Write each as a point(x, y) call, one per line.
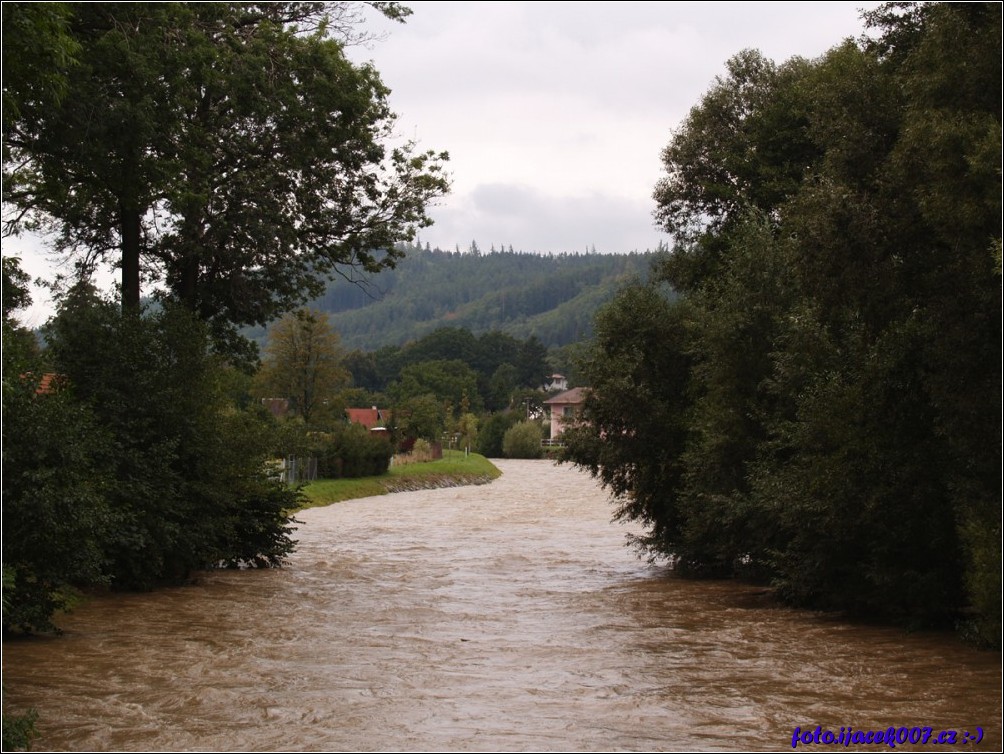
point(452, 363)
point(551, 297)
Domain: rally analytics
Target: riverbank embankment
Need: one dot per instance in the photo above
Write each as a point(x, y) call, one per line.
point(454, 469)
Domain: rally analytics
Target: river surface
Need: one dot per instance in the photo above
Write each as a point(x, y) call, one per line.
point(508, 617)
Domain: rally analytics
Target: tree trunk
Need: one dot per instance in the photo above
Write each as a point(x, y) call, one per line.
point(188, 283)
point(130, 258)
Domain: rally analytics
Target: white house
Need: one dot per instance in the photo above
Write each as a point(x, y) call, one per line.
point(556, 382)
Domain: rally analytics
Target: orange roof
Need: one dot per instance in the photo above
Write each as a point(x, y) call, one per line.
point(47, 385)
point(368, 417)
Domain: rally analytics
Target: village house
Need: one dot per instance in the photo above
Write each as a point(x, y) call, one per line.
point(565, 409)
point(556, 382)
point(49, 383)
point(373, 418)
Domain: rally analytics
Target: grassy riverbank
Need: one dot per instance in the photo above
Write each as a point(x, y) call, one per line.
point(454, 469)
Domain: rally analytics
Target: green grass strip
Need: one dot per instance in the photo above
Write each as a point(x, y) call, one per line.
point(454, 469)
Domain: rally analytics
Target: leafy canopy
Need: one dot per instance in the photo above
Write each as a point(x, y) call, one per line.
point(821, 408)
point(228, 153)
point(303, 363)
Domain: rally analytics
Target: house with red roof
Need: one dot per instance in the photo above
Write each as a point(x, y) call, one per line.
point(373, 418)
point(48, 384)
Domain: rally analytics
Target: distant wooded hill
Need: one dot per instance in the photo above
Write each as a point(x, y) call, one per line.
point(553, 297)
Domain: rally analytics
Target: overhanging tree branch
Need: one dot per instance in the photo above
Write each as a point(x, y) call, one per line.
point(261, 148)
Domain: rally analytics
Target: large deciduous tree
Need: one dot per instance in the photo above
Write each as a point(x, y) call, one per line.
point(838, 244)
point(129, 464)
point(229, 152)
point(452, 381)
point(303, 363)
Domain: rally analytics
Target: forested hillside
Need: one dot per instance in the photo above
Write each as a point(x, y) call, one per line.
point(520, 294)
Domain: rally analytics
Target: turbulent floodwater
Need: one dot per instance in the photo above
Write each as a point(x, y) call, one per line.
point(504, 617)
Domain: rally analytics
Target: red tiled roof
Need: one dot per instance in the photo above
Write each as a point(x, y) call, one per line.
point(368, 417)
point(48, 384)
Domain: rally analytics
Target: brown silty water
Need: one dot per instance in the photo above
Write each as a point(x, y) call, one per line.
point(503, 617)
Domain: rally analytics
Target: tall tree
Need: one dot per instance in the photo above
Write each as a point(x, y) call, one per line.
point(303, 362)
point(744, 148)
point(838, 229)
point(639, 375)
point(229, 151)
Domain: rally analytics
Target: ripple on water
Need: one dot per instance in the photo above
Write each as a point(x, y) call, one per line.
point(503, 617)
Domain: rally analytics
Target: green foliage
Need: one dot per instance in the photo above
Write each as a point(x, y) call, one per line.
point(38, 52)
point(492, 433)
point(638, 373)
point(303, 364)
point(420, 417)
point(20, 347)
point(449, 380)
point(823, 409)
point(236, 151)
point(565, 360)
point(467, 428)
point(743, 148)
point(522, 440)
point(138, 471)
point(57, 520)
point(422, 449)
point(350, 450)
point(15, 287)
point(451, 363)
point(728, 340)
point(19, 730)
point(552, 297)
point(231, 146)
point(501, 387)
point(529, 403)
point(982, 549)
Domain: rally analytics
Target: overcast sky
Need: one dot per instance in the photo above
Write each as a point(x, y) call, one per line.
point(554, 113)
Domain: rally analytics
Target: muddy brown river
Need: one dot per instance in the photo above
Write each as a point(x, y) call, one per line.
point(504, 617)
